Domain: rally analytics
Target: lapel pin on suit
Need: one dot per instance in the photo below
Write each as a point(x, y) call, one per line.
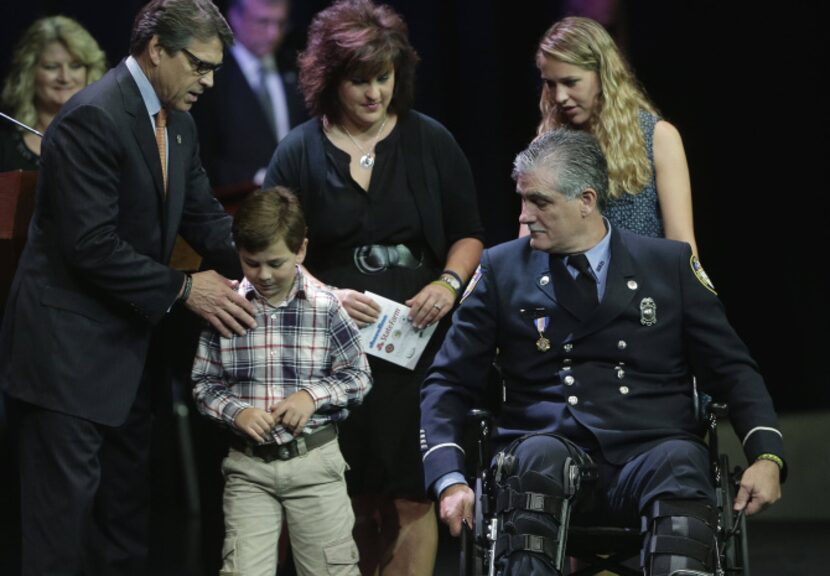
point(178, 138)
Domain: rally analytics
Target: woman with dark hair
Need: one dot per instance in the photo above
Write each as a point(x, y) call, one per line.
point(391, 209)
point(53, 60)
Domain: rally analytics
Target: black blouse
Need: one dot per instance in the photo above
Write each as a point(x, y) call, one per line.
point(384, 214)
point(14, 154)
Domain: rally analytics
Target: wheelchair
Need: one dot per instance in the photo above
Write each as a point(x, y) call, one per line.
point(592, 550)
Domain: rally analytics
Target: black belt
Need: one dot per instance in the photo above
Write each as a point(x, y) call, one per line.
point(297, 447)
point(375, 258)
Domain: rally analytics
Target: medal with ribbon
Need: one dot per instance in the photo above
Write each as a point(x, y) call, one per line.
point(543, 343)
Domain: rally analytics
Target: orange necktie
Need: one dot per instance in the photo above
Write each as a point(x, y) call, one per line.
point(161, 127)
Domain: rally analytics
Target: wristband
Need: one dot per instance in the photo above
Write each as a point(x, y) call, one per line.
point(771, 458)
point(188, 286)
point(446, 285)
point(454, 275)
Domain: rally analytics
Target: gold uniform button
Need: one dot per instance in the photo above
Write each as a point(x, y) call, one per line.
point(624, 390)
point(568, 347)
point(569, 380)
point(621, 345)
point(573, 400)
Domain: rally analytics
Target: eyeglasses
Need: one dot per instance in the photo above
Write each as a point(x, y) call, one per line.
point(200, 66)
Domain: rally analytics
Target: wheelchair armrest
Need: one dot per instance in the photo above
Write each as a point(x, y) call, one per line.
point(718, 409)
point(479, 425)
point(480, 420)
point(707, 408)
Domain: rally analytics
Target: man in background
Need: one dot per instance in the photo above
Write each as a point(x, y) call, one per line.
point(254, 103)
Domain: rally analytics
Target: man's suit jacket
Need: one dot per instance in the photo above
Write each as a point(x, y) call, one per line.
point(235, 138)
point(93, 277)
point(611, 374)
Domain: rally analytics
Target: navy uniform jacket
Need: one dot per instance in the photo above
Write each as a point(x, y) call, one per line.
point(93, 277)
point(627, 383)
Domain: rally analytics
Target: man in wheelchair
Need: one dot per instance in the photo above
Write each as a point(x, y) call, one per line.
point(597, 333)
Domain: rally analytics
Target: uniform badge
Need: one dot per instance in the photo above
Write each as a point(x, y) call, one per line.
point(543, 343)
point(648, 312)
point(472, 284)
point(701, 274)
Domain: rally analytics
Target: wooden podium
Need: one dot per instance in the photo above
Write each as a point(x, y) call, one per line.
point(17, 202)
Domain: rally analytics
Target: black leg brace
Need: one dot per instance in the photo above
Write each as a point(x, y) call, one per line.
point(680, 538)
point(533, 508)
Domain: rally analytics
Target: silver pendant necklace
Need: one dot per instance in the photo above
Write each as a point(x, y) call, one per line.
point(368, 159)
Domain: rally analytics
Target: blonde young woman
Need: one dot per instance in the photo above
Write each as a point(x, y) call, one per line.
point(588, 85)
point(53, 60)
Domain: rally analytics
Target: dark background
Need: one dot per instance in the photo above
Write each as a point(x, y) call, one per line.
point(742, 85)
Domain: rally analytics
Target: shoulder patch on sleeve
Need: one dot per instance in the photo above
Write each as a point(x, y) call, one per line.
point(701, 274)
point(471, 285)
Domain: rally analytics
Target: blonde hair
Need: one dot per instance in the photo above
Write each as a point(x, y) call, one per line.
point(616, 120)
point(19, 90)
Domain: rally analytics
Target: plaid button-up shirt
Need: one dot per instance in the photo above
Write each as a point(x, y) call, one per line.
point(306, 343)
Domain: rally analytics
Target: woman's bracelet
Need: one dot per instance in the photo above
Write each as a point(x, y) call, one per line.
point(446, 285)
point(454, 275)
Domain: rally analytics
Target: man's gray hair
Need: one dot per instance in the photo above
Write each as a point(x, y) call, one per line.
point(568, 161)
point(177, 22)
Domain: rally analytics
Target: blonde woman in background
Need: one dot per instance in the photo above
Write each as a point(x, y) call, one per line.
point(53, 60)
point(589, 86)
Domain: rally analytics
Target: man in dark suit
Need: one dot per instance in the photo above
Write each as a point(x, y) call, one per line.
point(120, 177)
point(255, 102)
point(598, 333)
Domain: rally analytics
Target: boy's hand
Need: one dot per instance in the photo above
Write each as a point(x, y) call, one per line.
point(294, 411)
point(256, 423)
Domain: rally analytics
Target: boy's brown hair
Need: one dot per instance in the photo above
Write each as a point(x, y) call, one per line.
point(265, 217)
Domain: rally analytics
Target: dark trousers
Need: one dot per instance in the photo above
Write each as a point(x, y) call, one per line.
point(674, 469)
point(620, 495)
point(84, 492)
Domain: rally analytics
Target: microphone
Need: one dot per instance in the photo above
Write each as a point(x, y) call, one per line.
point(20, 124)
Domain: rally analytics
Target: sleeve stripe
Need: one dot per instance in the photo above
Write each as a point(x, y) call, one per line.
point(444, 445)
point(758, 429)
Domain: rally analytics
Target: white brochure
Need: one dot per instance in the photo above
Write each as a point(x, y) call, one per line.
point(393, 337)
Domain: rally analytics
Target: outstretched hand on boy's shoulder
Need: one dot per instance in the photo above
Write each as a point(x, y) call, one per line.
point(294, 411)
point(256, 423)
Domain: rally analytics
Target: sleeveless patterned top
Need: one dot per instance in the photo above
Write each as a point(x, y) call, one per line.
point(640, 213)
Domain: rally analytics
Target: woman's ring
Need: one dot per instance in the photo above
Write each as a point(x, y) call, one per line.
point(437, 307)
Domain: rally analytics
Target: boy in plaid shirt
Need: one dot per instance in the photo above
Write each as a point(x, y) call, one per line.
point(281, 388)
